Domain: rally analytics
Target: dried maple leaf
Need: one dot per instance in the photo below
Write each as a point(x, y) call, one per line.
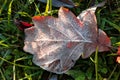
point(56, 43)
point(118, 52)
point(118, 57)
point(59, 3)
point(49, 38)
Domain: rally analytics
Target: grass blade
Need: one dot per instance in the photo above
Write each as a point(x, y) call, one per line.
point(2, 75)
point(4, 4)
point(114, 25)
point(9, 11)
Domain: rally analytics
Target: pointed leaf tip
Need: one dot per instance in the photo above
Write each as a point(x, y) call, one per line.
point(38, 18)
point(62, 10)
point(65, 9)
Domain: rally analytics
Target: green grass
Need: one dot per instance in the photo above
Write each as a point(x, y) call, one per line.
point(15, 64)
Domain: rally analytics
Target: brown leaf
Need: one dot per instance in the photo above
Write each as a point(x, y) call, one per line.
point(59, 3)
point(56, 43)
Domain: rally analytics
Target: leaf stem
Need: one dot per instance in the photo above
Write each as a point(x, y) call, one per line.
point(96, 63)
point(14, 70)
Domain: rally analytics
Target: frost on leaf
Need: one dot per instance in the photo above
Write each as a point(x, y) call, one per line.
point(102, 42)
point(56, 43)
point(97, 36)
